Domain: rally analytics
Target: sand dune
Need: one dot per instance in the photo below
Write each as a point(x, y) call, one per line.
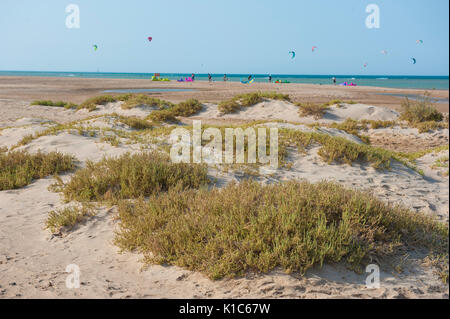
point(33, 261)
point(281, 110)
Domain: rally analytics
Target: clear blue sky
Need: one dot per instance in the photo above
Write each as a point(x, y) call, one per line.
point(233, 36)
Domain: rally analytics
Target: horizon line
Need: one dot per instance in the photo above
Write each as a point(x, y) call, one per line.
point(265, 74)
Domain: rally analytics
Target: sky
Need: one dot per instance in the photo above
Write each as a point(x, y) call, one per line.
point(233, 36)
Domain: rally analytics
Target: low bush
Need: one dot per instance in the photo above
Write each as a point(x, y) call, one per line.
point(253, 227)
point(19, 168)
point(132, 176)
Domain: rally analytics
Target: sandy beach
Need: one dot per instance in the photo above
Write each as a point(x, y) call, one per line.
point(33, 260)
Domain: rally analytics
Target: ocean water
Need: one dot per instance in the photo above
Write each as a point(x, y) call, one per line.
point(402, 82)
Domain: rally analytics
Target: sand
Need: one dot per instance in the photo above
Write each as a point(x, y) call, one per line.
point(33, 261)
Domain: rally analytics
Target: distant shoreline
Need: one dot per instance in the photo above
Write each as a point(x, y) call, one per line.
point(386, 81)
point(77, 90)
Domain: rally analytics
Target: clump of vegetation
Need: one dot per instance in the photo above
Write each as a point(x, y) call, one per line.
point(420, 111)
point(312, 109)
point(339, 149)
point(376, 124)
point(415, 155)
point(19, 168)
point(161, 116)
point(25, 140)
point(229, 106)
point(186, 108)
point(249, 99)
point(66, 105)
point(141, 99)
point(427, 126)
point(132, 176)
point(442, 162)
point(67, 218)
point(350, 126)
point(91, 104)
point(135, 122)
point(338, 102)
point(253, 227)
point(113, 140)
point(169, 115)
point(333, 102)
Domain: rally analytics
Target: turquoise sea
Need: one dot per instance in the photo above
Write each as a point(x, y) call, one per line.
point(403, 82)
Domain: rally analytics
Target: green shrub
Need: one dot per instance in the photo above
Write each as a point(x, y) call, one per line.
point(161, 116)
point(91, 103)
point(420, 111)
point(142, 99)
point(249, 99)
point(333, 102)
point(427, 126)
point(67, 218)
point(338, 149)
point(312, 109)
point(135, 122)
point(349, 125)
point(229, 106)
point(253, 227)
point(132, 176)
point(18, 168)
point(66, 105)
point(186, 108)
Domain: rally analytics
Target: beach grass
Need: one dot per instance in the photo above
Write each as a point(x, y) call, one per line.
point(19, 168)
point(135, 100)
point(67, 217)
point(249, 99)
point(253, 227)
point(135, 122)
point(338, 149)
point(66, 105)
point(132, 176)
point(312, 109)
point(163, 116)
point(420, 111)
point(91, 103)
point(169, 115)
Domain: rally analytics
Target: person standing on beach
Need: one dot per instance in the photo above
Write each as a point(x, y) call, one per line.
point(249, 78)
point(334, 80)
point(270, 78)
point(225, 78)
point(209, 77)
point(193, 77)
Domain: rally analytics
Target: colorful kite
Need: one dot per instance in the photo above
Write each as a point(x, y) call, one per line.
point(293, 54)
point(150, 39)
point(419, 41)
point(313, 48)
point(95, 47)
point(414, 60)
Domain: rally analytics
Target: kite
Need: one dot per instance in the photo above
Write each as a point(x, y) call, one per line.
point(419, 41)
point(414, 60)
point(293, 54)
point(150, 39)
point(95, 47)
point(365, 65)
point(314, 47)
point(384, 52)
